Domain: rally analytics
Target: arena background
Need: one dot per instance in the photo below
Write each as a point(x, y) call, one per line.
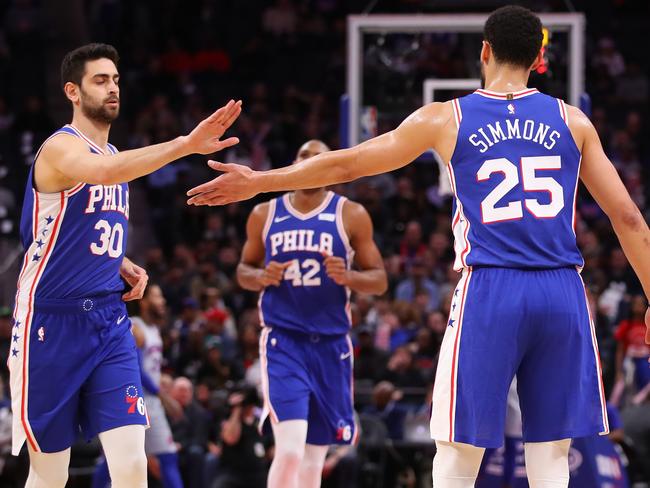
point(286, 59)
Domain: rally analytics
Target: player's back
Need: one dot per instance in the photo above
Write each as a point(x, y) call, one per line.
point(514, 172)
point(306, 300)
point(74, 240)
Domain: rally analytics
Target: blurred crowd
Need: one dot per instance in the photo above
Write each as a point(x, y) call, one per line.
point(285, 59)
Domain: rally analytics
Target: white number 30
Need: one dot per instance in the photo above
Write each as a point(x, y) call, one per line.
point(514, 210)
point(110, 239)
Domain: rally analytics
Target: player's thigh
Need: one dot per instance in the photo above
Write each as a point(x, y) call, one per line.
point(113, 395)
point(50, 358)
point(331, 406)
point(559, 379)
point(481, 350)
point(284, 375)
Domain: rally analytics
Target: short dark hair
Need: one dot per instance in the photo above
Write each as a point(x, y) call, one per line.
point(515, 35)
point(73, 65)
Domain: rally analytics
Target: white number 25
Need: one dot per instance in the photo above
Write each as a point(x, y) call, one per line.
point(513, 210)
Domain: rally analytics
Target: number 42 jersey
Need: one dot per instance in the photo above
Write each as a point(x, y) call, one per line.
point(74, 240)
point(514, 173)
point(306, 300)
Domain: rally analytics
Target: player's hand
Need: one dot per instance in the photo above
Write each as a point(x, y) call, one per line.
point(336, 269)
point(236, 183)
point(136, 277)
point(205, 138)
point(273, 273)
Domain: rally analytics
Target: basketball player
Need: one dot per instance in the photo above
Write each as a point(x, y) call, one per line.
point(514, 157)
point(299, 254)
point(158, 441)
point(73, 363)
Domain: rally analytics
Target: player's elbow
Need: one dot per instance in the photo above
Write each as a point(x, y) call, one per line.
point(382, 283)
point(627, 217)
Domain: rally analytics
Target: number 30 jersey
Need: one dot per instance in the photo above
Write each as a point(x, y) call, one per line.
point(514, 173)
point(307, 300)
point(74, 240)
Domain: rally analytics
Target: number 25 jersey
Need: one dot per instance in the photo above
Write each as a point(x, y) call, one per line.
point(74, 240)
point(514, 173)
point(306, 300)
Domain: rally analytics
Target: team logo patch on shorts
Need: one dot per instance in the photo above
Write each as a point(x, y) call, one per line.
point(134, 400)
point(343, 432)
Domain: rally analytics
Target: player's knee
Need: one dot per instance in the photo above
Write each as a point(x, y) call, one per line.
point(290, 458)
point(130, 472)
point(52, 477)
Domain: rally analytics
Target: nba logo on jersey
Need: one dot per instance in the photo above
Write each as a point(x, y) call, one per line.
point(511, 109)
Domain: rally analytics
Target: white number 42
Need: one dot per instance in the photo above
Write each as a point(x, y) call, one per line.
point(514, 210)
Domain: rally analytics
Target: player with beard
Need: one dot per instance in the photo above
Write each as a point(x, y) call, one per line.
point(72, 362)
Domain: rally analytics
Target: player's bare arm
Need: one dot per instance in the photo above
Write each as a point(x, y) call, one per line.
point(65, 160)
point(603, 182)
point(428, 127)
point(251, 272)
point(370, 277)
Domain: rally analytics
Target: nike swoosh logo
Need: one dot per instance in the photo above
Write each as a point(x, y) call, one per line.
point(121, 319)
point(345, 355)
point(281, 219)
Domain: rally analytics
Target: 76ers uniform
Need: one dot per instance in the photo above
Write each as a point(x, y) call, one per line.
point(305, 350)
point(520, 307)
point(72, 361)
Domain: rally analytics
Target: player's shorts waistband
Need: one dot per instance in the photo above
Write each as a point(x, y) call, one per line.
point(307, 336)
point(76, 305)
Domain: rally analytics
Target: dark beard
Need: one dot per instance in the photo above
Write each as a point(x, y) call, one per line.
point(100, 114)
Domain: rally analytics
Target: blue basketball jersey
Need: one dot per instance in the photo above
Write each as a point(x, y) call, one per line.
point(307, 300)
point(514, 173)
point(74, 240)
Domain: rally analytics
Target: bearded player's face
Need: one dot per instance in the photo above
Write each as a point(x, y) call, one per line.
point(99, 95)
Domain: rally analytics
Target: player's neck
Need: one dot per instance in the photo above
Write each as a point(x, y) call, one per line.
point(504, 79)
point(305, 201)
point(97, 132)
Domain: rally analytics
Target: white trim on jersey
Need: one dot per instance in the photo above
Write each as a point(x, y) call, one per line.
point(443, 406)
point(506, 96)
point(355, 436)
point(563, 111)
point(575, 197)
point(599, 371)
point(86, 139)
point(460, 226)
point(304, 216)
point(269, 219)
point(349, 252)
point(34, 266)
point(267, 408)
point(458, 113)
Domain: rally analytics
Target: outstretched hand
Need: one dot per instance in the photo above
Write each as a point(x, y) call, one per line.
point(236, 183)
point(205, 137)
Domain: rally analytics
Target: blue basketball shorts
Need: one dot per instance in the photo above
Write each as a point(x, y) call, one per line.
point(534, 324)
point(73, 367)
point(309, 377)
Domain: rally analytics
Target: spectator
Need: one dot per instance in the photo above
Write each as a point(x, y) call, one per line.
point(630, 335)
point(190, 433)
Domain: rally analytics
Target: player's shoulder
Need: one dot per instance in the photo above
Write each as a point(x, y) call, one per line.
point(62, 142)
point(353, 210)
point(436, 112)
point(577, 117)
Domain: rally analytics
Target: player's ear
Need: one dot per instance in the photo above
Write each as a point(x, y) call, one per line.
point(539, 60)
point(486, 52)
point(71, 91)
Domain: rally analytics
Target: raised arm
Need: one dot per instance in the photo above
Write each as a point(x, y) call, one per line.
point(418, 132)
point(66, 161)
point(603, 182)
point(370, 275)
